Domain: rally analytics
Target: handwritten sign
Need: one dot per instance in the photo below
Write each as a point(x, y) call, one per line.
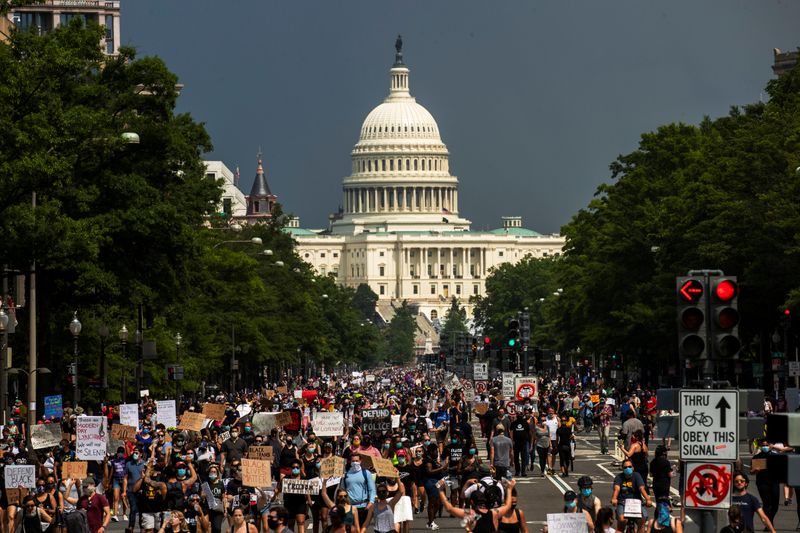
point(331, 467)
point(283, 389)
point(283, 418)
point(263, 423)
point(74, 470)
point(256, 473)
point(91, 438)
point(384, 468)
point(213, 503)
point(20, 476)
point(480, 408)
point(395, 421)
point(214, 411)
point(144, 393)
point(262, 453)
point(45, 436)
point(376, 420)
point(366, 461)
point(301, 486)
point(53, 406)
point(633, 508)
point(328, 424)
point(15, 496)
point(129, 414)
point(123, 432)
point(566, 523)
point(192, 421)
point(165, 410)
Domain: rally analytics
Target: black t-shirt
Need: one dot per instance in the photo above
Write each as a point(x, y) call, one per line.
point(563, 436)
point(453, 453)
point(407, 476)
point(660, 469)
point(750, 505)
point(520, 430)
point(234, 451)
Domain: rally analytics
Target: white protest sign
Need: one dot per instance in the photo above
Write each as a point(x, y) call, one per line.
point(301, 486)
point(20, 476)
point(244, 409)
point(91, 435)
point(395, 421)
point(525, 387)
point(263, 423)
point(370, 378)
point(165, 412)
point(328, 424)
point(633, 508)
point(298, 394)
point(129, 414)
point(709, 424)
point(566, 523)
point(213, 502)
point(45, 436)
point(144, 393)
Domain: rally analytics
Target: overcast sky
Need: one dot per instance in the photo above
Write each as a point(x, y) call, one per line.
point(533, 98)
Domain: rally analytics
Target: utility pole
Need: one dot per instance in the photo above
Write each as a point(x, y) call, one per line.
point(32, 362)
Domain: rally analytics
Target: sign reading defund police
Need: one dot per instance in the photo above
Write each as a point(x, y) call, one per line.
point(709, 425)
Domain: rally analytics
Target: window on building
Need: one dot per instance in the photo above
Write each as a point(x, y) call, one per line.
point(430, 270)
point(458, 289)
point(227, 206)
point(382, 289)
point(381, 271)
point(322, 270)
point(434, 314)
point(500, 254)
point(322, 254)
point(433, 289)
point(476, 289)
point(256, 206)
point(307, 255)
point(415, 289)
point(335, 254)
point(109, 34)
point(471, 270)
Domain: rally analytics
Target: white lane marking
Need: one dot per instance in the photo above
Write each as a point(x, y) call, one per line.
point(555, 481)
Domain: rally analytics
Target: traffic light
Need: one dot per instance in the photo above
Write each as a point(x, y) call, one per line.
point(525, 328)
point(691, 295)
point(171, 372)
point(513, 333)
point(474, 347)
point(725, 315)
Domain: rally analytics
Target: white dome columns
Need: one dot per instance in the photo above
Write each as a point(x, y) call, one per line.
point(401, 199)
point(399, 82)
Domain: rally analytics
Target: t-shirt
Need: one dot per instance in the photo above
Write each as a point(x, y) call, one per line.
point(521, 430)
point(134, 471)
point(234, 451)
point(94, 509)
point(552, 426)
point(749, 505)
point(629, 486)
point(502, 449)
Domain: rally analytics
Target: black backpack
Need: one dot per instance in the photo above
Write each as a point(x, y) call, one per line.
point(493, 494)
point(77, 521)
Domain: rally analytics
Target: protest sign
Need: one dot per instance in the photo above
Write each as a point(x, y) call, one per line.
point(480, 408)
point(213, 503)
point(283, 389)
point(298, 394)
point(45, 436)
point(263, 423)
point(384, 468)
point(244, 409)
point(20, 476)
point(283, 418)
point(633, 508)
point(328, 424)
point(74, 470)
point(144, 393)
point(301, 486)
point(395, 421)
point(376, 420)
point(224, 436)
point(165, 411)
point(566, 523)
point(129, 414)
point(331, 467)
point(15, 496)
point(123, 432)
point(53, 406)
point(192, 421)
point(256, 473)
point(366, 461)
point(91, 438)
point(112, 445)
point(214, 411)
point(262, 453)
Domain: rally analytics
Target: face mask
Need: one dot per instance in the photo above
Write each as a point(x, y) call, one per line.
point(342, 500)
point(473, 451)
point(247, 429)
point(89, 490)
point(412, 428)
point(571, 505)
point(356, 467)
point(399, 445)
point(190, 458)
point(272, 523)
point(295, 471)
point(386, 445)
point(356, 442)
point(234, 434)
point(146, 431)
point(212, 477)
point(317, 464)
point(383, 495)
point(765, 449)
point(120, 455)
point(181, 472)
point(401, 460)
point(587, 492)
point(454, 441)
point(39, 489)
point(628, 470)
point(135, 456)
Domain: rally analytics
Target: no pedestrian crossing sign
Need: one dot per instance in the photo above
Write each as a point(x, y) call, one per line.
point(709, 425)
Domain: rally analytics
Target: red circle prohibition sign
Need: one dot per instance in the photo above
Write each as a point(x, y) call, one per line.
point(526, 390)
point(708, 485)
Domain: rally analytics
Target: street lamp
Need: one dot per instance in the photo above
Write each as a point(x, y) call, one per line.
point(40, 370)
point(104, 333)
point(123, 339)
point(254, 240)
point(3, 352)
point(75, 329)
point(178, 341)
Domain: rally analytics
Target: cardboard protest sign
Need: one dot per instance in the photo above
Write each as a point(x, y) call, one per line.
point(331, 467)
point(366, 461)
point(129, 414)
point(112, 445)
point(480, 408)
point(269, 394)
point(91, 438)
point(262, 453)
point(214, 411)
point(328, 424)
point(15, 496)
point(376, 420)
point(20, 476)
point(74, 470)
point(192, 421)
point(256, 473)
point(263, 423)
point(283, 418)
point(123, 432)
point(213, 503)
point(283, 389)
point(53, 406)
point(45, 436)
point(566, 523)
point(301, 486)
point(165, 412)
point(384, 468)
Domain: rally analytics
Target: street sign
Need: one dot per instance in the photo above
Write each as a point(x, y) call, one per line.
point(709, 424)
point(508, 385)
point(480, 371)
point(691, 290)
point(794, 368)
point(480, 387)
point(708, 485)
point(525, 387)
point(511, 408)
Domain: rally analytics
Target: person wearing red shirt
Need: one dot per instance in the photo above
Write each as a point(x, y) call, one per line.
point(98, 512)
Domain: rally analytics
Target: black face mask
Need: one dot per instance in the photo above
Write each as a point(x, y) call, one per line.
point(272, 523)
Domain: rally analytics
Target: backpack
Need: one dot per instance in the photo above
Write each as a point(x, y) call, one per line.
point(493, 494)
point(77, 521)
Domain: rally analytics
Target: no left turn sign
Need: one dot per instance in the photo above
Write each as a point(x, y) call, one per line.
point(708, 485)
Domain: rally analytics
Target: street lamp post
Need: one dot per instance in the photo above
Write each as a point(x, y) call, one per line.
point(254, 240)
point(178, 341)
point(123, 339)
point(75, 329)
point(3, 363)
point(104, 333)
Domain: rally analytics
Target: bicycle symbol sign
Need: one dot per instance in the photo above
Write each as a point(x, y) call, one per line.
point(709, 425)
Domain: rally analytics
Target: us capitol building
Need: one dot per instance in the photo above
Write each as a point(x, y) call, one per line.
point(400, 230)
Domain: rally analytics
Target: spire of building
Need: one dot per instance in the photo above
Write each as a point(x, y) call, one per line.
point(236, 177)
point(398, 87)
point(260, 201)
point(260, 187)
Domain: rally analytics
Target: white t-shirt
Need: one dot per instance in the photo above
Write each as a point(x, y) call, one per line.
point(552, 426)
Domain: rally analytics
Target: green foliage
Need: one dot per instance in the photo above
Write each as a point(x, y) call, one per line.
point(455, 321)
point(400, 335)
point(365, 300)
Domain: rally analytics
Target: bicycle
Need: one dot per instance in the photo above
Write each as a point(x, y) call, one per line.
point(698, 418)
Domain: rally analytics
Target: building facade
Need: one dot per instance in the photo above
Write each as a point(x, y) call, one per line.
point(50, 14)
point(399, 229)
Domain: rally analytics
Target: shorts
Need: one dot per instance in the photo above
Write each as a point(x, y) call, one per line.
point(151, 520)
point(621, 508)
point(553, 448)
point(116, 484)
point(431, 489)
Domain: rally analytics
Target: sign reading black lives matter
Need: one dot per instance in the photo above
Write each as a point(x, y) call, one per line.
point(376, 420)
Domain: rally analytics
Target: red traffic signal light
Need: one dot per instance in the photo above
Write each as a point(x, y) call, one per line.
point(691, 300)
point(726, 290)
point(487, 340)
point(725, 311)
point(691, 290)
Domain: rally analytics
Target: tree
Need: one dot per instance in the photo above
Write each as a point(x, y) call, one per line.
point(365, 300)
point(455, 321)
point(400, 335)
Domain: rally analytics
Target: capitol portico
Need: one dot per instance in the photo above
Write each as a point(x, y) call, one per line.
point(399, 229)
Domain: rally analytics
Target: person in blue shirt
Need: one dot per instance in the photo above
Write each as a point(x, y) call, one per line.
point(133, 471)
point(441, 422)
point(360, 487)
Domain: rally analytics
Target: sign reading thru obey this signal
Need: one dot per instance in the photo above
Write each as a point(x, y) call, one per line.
point(709, 425)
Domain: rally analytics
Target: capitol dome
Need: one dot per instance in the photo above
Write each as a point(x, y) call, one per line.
point(400, 167)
